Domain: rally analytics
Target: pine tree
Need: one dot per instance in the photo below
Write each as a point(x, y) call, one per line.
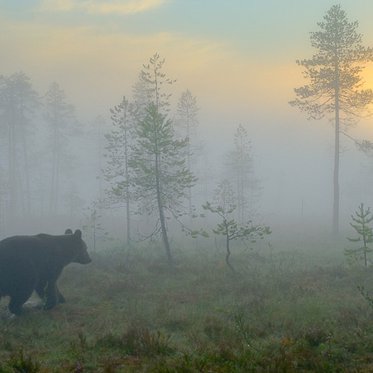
point(161, 178)
point(241, 170)
point(224, 207)
point(59, 116)
point(361, 221)
point(117, 172)
point(187, 111)
point(18, 104)
point(151, 87)
point(335, 81)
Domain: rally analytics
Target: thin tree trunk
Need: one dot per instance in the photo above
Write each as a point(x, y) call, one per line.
point(94, 230)
point(336, 162)
point(54, 171)
point(189, 164)
point(126, 156)
point(12, 169)
point(26, 174)
point(228, 253)
point(58, 170)
point(164, 232)
point(161, 212)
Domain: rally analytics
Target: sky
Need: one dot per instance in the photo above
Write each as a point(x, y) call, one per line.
point(236, 56)
point(249, 47)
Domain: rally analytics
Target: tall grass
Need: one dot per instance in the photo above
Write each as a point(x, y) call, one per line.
point(287, 309)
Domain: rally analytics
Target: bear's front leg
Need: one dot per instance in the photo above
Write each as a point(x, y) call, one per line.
point(51, 295)
point(41, 291)
point(60, 297)
point(51, 292)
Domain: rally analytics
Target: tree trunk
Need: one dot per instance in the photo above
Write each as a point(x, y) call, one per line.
point(164, 234)
point(161, 213)
point(189, 165)
point(336, 162)
point(12, 169)
point(26, 174)
point(54, 172)
point(126, 159)
point(228, 254)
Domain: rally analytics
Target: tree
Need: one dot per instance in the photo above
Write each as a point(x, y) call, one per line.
point(59, 116)
point(18, 103)
point(97, 140)
point(187, 110)
point(229, 228)
point(151, 87)
point(335, 83)
point(240, 165)
point(361, 221)
point(117, 171)
point(93, 226)
point(161, 178)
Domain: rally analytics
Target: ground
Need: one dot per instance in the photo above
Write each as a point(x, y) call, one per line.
point(290, 307)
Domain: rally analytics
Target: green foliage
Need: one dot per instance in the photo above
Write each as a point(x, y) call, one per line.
point(229, 228)
point(366, 295)
point(361, 221)
point(151, 87)
point(334, 87)
point(161, 178)
point(137, 341)
point(294, 310)
point(21, 363)
point(158, 163)
point(334, 72)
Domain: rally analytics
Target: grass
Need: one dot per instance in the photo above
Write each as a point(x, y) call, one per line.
point(288, 309)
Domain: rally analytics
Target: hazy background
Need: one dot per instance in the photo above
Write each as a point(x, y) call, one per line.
point(236, 56)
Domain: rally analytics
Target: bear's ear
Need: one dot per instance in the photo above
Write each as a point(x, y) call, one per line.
point(78, 233)
point(68, 231)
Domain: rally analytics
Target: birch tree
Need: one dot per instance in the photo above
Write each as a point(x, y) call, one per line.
point(334, 88)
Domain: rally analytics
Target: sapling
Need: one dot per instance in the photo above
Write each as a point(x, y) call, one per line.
point(228, 226)
point(361, 221)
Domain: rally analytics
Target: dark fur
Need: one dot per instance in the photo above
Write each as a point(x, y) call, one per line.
point(29, 263)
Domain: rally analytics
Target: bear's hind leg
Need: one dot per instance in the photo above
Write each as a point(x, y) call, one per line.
point(40, 290)
point(17, 300)
point(51, 295)
point(22, 281)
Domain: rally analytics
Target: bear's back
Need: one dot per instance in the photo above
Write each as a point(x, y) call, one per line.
point(23, 247)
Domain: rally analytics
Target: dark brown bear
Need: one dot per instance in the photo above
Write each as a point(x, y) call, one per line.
point(29, 263)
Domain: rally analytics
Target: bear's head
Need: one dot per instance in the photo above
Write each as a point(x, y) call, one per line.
point(80, 248)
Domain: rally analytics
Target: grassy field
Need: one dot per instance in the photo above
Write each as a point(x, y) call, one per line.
point(288, 308)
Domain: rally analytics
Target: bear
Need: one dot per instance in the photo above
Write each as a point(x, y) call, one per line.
point(40, 290)
point(34, 263)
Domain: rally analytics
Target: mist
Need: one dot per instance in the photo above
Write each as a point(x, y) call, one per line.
point(203, 170)
point(293, 157)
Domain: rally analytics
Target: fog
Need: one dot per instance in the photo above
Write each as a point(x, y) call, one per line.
point(96, 65)
point(185, 186)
